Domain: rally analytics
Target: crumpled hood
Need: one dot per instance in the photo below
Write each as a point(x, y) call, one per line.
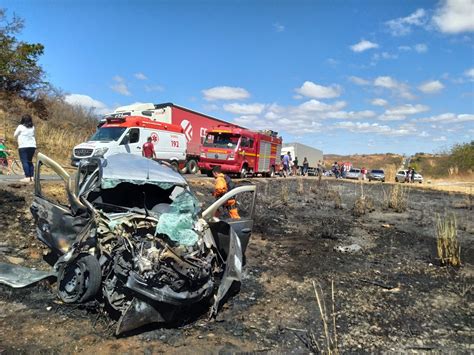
point(92, 145)
point(123, 167)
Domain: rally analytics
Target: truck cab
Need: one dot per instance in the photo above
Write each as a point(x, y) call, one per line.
point(239, 151)
point(128, 134)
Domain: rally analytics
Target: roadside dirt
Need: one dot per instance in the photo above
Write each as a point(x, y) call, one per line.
point(392, 295)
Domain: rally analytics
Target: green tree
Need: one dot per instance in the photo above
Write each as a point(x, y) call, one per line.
point(463, 156)
point(20, 73)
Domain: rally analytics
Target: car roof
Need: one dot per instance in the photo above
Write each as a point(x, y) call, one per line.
point(139, 170)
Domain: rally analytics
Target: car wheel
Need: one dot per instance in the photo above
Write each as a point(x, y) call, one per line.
point(396, 179)
point(80, 280)
point(175, 165)
point(192, 166)
point(243, 173)
point(383, 180)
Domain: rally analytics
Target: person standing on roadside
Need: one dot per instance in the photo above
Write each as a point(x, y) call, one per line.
point(286, 164)
point(25, 133)
point(304, 170)
point(295, 166)
point(148, 149)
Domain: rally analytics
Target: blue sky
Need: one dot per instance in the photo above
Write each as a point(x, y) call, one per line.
point(344, 76)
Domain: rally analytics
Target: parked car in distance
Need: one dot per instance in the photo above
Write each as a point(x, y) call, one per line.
point(354, 173)
point(377, 175)
point(401, 176)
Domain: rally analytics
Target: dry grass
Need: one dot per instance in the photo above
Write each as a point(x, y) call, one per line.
point(449, 250)
point(300, 187)
point(363, 204)
point(397, 199)
point(329, 345)
point(284, 193)
point(62, 127)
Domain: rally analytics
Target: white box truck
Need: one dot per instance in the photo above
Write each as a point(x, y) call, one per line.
point(301, 151)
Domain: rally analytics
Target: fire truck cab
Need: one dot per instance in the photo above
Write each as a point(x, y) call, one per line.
point(240, 151)
point(128, 134)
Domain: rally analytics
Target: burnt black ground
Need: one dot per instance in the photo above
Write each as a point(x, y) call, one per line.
point(392, 295)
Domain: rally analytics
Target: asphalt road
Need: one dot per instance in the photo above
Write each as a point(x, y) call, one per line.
point(7, 179)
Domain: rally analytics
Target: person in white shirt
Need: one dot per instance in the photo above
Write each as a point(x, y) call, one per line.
point(25, 133)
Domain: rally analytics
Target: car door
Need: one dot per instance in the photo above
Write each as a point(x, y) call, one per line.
point(59, 215)
point(131, 142)
point(245, 196)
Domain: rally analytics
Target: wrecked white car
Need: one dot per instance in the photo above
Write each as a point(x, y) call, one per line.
point(132, 234)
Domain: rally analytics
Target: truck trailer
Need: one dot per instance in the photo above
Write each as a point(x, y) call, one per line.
point(241, 151)
point(300, 151)
point(195, 125)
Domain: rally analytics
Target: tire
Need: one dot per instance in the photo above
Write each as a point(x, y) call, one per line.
point(80, 280)
point(243, 172)
point(184, 170)
point(16, 168)
point(192, 166)
point(396, 179)
point(175, 165)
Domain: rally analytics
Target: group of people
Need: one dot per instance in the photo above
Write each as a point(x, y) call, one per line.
point(25, 135)
point(290, 166)
point(339, 170)
point(410, 175)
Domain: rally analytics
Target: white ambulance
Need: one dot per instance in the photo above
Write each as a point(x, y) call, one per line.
point(128, 134)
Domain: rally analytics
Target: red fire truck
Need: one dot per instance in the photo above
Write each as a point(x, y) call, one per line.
point(195, 125)
point(240, 151)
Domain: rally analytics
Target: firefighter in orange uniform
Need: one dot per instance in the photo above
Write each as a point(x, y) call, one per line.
point(220, 188)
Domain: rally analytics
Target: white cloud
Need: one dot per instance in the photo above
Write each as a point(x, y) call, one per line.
point(424, 134)
point(431, 87)
point(363, 45)
point(449, 118)
point(440, 139)
point(152, 88)
point(455, 16)
point(400, 89)
point(120, 86)
point(470, 74)
point(244, 109)
point(407, 109)
point(366, 127)
point(350, 115)
point(404, 48)
point(278, 27)
point(379, 102)
point(403, 25)
point(358, 81)
point(318, 106)
point(384, 55)
point(421, 48)
point(310, 89)
point(87, 102)
point(140, 76)
point(225, 93)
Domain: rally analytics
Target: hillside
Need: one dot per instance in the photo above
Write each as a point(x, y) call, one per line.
point(58, 129)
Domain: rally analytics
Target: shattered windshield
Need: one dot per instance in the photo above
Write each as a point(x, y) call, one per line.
point(107, 134)
point(223, 140)
point(179, 221)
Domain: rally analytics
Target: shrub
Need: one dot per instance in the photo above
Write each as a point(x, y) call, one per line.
point(398, 198)
point(449, 250)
